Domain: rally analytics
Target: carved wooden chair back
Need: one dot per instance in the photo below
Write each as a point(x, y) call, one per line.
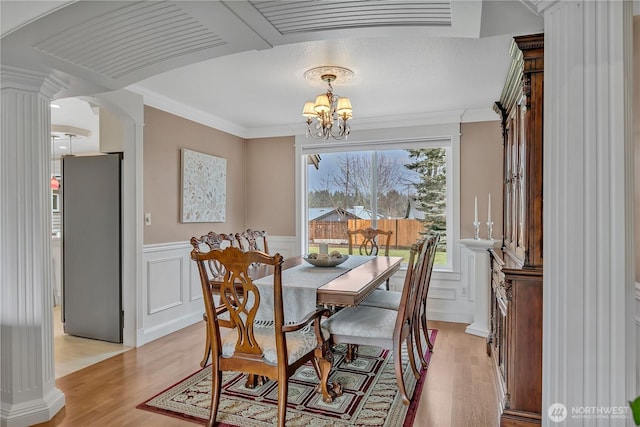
point(368, 241)
point(206, 243)
point(253, 240)
point(213, 240)
point(258, 351)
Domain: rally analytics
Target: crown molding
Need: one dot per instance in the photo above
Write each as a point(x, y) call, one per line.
point(169, 105)
point(387, 122)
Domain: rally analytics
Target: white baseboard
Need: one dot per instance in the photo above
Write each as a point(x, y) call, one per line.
point(450, 316)
point(158, 331)
point(477, 330)
point(33, 412)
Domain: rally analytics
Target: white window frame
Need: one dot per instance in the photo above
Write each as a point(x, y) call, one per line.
point(441, 135)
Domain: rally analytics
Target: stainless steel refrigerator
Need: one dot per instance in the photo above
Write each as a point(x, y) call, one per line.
point(91, 246)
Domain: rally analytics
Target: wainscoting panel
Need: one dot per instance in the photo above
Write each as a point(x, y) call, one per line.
point(164, 284)
point(285, 246)
point(168, 301)
point(195, 288)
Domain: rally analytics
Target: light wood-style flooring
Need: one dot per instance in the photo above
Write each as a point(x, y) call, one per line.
point(459, 390)
point(74, 353)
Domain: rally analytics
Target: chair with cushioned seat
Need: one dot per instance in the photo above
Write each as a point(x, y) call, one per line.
point(391, 299)
point(276, 351)
point(381, 327)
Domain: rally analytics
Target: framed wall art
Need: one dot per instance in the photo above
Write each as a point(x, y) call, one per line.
point(204, 187)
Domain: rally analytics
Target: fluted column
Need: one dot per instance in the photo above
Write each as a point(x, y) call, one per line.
point(588, 329)
point(27, 379)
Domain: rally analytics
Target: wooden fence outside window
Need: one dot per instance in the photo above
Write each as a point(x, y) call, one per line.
point(405, 231)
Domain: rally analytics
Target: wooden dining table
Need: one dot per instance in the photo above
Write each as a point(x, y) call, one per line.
point(348, 289)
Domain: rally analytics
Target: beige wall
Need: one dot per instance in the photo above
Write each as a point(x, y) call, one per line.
point(164, 135)
point(261, 180)
point(481, 174)
point(271, 185)
point(636, 135)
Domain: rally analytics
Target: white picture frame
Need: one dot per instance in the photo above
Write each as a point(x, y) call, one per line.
point(204, 187)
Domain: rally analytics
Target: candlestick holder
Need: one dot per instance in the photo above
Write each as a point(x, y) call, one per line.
point(490, 229)
point(476, 227)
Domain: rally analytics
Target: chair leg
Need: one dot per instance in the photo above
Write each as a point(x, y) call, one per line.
point(387, 284)
point(352, 353)
point(397, 363)
point(425, 330)
point(283, 388)
point(418, 340)
point(216, 388)
point(412, 356)
point(207, 348)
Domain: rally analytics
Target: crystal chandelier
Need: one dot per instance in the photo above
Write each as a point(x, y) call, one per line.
point(327, 117)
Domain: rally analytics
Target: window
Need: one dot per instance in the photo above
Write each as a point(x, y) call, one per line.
point(55, 201)
point(404, 186)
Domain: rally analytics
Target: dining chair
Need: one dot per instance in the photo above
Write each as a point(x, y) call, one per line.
point(391, 299)
point(367, 242)
point(210, 241)
point(255, 240)
point(381, 327)
point(276, 351)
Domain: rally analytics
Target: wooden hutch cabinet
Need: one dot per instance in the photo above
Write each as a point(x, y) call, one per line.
point(515, 342)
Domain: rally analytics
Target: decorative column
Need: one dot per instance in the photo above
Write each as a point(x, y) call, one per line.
point(27, 379)
point(588, 318)
point(480, 277)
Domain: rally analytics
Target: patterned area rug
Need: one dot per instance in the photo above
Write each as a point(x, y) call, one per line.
point(370, 396)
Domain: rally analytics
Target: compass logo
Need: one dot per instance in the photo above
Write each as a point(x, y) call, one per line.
point(557, 412)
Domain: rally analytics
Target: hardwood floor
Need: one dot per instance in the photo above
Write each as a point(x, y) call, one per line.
point(459, 390)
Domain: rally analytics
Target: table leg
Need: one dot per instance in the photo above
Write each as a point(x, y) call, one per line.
point(352, 353)
point(323, 362)
point(254, 380)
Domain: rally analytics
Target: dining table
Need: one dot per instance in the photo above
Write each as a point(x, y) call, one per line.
point(348, 287)
point(343, 285)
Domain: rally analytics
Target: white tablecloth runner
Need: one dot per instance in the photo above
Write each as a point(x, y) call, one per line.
point(299, 285)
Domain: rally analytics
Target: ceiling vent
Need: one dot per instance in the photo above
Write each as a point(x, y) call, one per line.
point(131, 38)
point(290, 17)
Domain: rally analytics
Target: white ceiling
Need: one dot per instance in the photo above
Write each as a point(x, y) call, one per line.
point(238, 65)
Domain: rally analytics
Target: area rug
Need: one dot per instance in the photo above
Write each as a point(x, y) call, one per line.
point(370, 396)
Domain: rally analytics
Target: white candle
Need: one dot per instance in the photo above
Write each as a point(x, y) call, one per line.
point(489, 209)
point(475, 211)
